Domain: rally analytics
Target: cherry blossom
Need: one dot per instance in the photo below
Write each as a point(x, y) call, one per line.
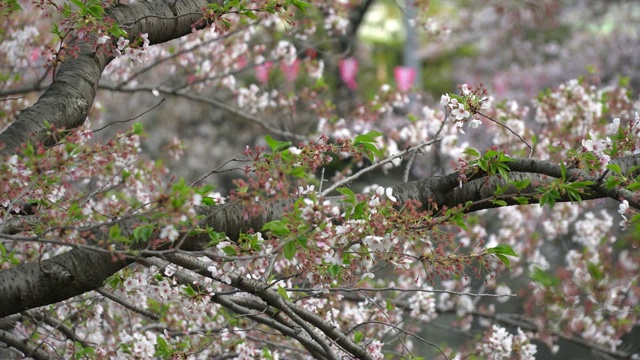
point(247, 223)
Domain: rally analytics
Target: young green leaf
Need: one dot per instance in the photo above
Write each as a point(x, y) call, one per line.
point(277, 227)
point(162, 348)
point(229, 250)
point(290, 249)
point(540, 276)
point(357, 337)
point(142, 233)
point(189, 291)
point(472, 151)
point(522, 184)
point(595, 271)
point(505, 260)
point(499, 202)
point(114, 231)
point(301, 5)
point(334, 270)
point(275, 145)
point(502, 249)
point(282, 292)
point(348, 194)
point(615, 168)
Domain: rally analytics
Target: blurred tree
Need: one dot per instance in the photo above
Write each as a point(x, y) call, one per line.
point(345, 223)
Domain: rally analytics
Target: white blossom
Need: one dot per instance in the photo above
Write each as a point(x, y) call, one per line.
point(445, 99)
point(613, 127)
point(169, 232)
point(474, 123)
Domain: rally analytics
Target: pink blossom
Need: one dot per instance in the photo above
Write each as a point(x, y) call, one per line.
point(348, 69)
point(290, 71)
point(262, 71)
point(122, 43)
point(405, 77)
point(375, 350)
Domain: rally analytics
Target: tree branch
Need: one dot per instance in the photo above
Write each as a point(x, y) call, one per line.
point(272, 298)
point(73, 273)
point(28, 349)
point(66, 102)
point(229, 302)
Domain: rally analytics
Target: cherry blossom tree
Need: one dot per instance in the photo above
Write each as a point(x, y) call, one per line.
point(352, 226)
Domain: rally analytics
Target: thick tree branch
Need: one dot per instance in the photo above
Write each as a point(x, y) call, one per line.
point(243, 306)
point(35, 284)
point(31, 285)
point(300, 317)
point(66, 102)
point(28, 349)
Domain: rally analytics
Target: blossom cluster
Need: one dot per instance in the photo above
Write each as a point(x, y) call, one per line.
point(132, 51)
point(18, 49)
point(623, 210)
point(321, 247)
point(423, 305)
point(464, 108)
point(500, 344)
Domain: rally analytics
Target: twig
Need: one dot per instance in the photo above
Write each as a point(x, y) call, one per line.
point(104, 292)
point(604, 174)
point(178, 53)
point(25, 347)
point(103, 187)
point(10, 99)
point(287, 308)
point(55, 324)
point(513, 132)
point(377, 165)
point(214, 171)
point(188, 277)
point(446, 116)
point(15, 199)
point(434, 291)
point(321, 180)
point(407, 168)
point(207, 100)
point(530, 326)
point(395, 328)
point(131, 119)
point(173, 18)
point(272, 298)
point(401, 330)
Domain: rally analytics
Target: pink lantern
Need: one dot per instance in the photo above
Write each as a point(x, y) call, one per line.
point(348, 68)
point(262, 71)
point(405, 76)
point(290, 71)
point(241, 62)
